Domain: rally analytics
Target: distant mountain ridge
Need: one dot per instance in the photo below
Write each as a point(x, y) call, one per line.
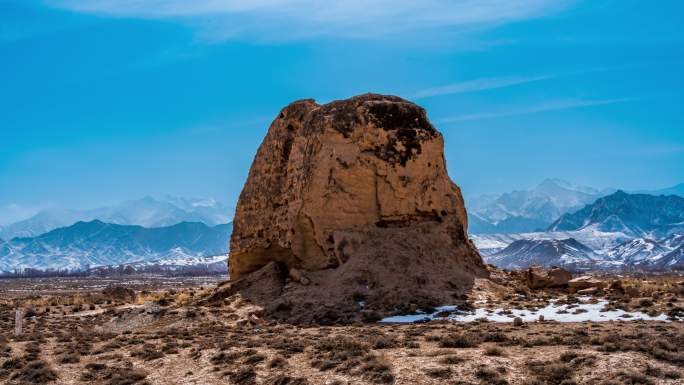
point(147, 212)
point(523, 253)
point(637, 251)
point(615, 231)
point(618, 231)
point(560, 249)
point(673, 260)
point(634, 214)
point(674, 190)
point(216, 264)
point(96, 243)
point(523, 211)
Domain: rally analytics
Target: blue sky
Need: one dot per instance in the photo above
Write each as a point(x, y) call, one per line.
point(104, 100)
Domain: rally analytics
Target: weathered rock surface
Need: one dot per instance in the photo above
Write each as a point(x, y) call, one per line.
point(585, 282)
point(353, 200)
point(539, 278)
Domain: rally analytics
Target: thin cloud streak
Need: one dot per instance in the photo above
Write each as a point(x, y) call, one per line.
point(479, 85)
point(292, 19)
point(483, 84)
point(544, 107)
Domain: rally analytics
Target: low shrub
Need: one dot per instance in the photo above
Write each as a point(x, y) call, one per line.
point(459, 340)
point(494, 351)
point(441, 373)
point(551, 373)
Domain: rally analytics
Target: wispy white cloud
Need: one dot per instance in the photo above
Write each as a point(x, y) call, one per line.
point(287, 19)
point(481, 84)
point(556, 105)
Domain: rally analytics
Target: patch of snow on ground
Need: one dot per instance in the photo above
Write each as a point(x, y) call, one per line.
point(582, 312)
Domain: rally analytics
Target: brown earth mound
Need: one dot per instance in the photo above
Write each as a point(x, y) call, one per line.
point(348, 213)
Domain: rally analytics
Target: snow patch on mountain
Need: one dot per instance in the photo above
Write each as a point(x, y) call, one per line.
point(524, 253)
point(606, 250)
point(637, 251)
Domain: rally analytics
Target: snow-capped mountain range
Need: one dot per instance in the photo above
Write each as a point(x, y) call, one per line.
point(618, 231)
point(95, 243)
point(215, 264)
point(523, 253)
point(146, 212)
point(523, 211)
point(634, 214)
point(614, 231)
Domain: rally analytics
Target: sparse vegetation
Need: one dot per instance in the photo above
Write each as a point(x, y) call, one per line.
point(489, 376)
point(459, 340)
point(243, 376)
point(148, 352)
point(437, 372)
point(124, 340)
point(452, 360)
point(551, 373)
point(27, 370)
point(494, 351)
point(109, 375)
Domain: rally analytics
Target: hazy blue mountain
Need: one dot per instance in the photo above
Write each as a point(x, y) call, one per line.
point(634, 214)
point(40, 223)
point(146, 212)
point(527, 210)
point(674, 190)
point(510, 225)
point(97, 243)
point(479, 225)
point(523, 253)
